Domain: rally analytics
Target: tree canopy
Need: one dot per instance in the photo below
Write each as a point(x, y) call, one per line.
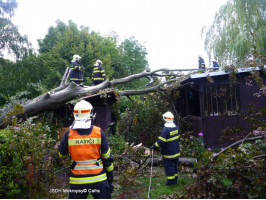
point(10, 38)
point(239, 28)
point(36, 73)
point(63, 41)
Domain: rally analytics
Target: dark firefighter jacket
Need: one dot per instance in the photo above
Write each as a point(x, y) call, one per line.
point(168, 142)
point(171, 75)
point(201, 64)
point(98, 73)
point(92, 143)
point(76, 73)
point(215, 66)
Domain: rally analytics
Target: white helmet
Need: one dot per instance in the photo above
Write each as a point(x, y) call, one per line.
point(83, 110)
point(168, 117)
point(98, 62)
point(76, 58)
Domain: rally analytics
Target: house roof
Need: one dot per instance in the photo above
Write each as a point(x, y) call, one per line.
point(220, 73)
point(110, 96)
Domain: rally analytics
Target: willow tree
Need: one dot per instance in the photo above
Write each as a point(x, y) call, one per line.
point(238, 32)
point(10, 39)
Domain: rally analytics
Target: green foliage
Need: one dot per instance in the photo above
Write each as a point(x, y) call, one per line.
point(191, 146)
point(236, 173)
point(25, 75)
point(139, 190)
point(127, 170)
point(27, 161)
point(63, 41)
point(142, 120)
point(198, 143)
point(133, 60)
point(38, 73)
point(117, 144)
point(237, 31)
point(10, 38)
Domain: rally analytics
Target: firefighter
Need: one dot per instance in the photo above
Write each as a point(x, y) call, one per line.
point(76, 74)
point(170, 76)
point(215, 66)
point(98, 74)
point(87, 146)
point(168, 142)
point(202, 67)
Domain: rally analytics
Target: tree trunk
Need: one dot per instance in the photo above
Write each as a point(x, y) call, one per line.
point(59, 96)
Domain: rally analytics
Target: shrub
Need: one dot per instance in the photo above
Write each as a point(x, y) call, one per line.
point(117, 144)
point(237, 173)
point(27, 161)
point(142, 121)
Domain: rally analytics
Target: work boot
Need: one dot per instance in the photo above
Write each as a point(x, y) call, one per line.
point(170, 183)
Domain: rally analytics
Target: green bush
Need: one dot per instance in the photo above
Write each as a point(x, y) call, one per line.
point(9, 166)
point(27, 161)
point(236, 173)
point(117, 144)
point(141, 121)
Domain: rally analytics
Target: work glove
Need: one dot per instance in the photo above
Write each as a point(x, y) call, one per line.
point(110, 176)
point(73, 165)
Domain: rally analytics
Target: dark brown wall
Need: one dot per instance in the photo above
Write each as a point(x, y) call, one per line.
point(212, 126)
point(101, 106)
point(103, 115)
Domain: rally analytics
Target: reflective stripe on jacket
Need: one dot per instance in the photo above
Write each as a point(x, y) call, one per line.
point(85, 151)
point(168, 141)
point(76, 73)
point(98, 73)
point(88, 180)
point(202, 65)
point(215, 66)
point(171, 75)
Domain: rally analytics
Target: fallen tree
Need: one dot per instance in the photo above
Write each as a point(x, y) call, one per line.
point(70, 91)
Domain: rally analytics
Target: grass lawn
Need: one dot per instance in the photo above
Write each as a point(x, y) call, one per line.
point(158, 187)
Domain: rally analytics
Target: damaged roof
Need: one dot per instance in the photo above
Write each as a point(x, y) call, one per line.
point(219, 73)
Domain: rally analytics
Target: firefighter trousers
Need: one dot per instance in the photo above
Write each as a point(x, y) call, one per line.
point(171, 170)
point(99, 191)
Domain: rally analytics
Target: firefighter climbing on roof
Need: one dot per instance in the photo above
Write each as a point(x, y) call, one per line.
point(76, 74)
point(215, 66)
point(168, 142)
point(202, 67)
point(92, 168)
point(171, 75)
point(98, 74)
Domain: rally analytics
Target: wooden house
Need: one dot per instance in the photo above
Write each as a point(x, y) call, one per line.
point(102, 106)
point(212, 103)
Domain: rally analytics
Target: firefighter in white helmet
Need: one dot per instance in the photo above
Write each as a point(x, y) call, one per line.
point(76, 74)
point(92, 168)
point(202, 67)
point(215, 66)
point(168, 142)
point(98, 73)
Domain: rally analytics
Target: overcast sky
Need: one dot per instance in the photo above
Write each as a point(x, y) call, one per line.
point(169, 29)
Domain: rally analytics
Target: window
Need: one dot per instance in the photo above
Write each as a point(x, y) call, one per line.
point(221, 100)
